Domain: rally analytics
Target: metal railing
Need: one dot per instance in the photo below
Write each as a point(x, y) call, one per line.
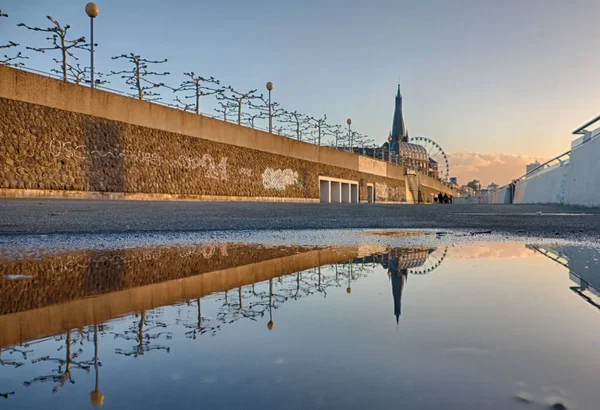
point(545, 165)
point(581, 130)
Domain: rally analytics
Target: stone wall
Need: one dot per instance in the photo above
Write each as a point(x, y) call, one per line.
point(64, 138)
point(46, 148)
point(104, 285)
point(41, 281)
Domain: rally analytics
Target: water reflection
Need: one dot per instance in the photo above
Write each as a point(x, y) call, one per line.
point(62, 313)
point(583, 265)
point(139, 300)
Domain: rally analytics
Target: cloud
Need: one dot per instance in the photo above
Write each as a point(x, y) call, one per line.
point(490, 251)
point(498, 168)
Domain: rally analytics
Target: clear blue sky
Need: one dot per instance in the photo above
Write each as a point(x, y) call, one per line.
point(511, 76)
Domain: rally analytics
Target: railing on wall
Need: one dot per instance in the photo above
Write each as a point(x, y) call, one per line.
point(373, 152)
point(585, 134)
point(560, 159)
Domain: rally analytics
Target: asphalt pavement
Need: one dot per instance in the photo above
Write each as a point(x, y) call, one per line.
point(35, 216)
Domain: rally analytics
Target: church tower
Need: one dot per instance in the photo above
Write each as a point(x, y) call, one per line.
point(399, 132)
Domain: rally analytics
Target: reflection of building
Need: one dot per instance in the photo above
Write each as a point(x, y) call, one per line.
point(583, 265)
point(492, 187)
point(398, 261)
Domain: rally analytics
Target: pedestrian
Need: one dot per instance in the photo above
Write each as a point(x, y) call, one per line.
point(446, 198)
point(451, 199)
point(440, 198)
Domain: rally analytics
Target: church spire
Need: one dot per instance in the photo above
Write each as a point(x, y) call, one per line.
point(398, 128)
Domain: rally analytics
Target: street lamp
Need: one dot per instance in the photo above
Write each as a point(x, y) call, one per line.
point(92, 10)
point(96, 396)
point(349, 122)
point(271, 324)
point(349, 288)
point(270, 87)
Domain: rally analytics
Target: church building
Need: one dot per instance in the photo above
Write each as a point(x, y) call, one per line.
point(410, 155)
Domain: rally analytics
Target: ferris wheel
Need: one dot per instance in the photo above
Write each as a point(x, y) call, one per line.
point(434, 259)
point(436, 153)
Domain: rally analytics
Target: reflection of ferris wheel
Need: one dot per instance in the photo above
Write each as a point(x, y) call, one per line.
point(434, 259)
point(436, 153)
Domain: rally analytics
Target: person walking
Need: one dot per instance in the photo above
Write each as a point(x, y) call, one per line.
point(440, 198)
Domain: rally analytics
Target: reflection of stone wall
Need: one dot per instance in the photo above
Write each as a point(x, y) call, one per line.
point(62, 277)
point(53, 319)
point(51, 149)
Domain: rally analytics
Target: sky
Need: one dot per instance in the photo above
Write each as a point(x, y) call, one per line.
point(492, 82)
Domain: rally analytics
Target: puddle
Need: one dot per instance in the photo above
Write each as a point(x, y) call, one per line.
point(398, 234)
point(253, 326)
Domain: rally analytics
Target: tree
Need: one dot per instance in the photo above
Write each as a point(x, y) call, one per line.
point(59, 42)
point(225, 108)
point(19, 350)
point(196, 84)
point(6, 59)
point(255, 115)
point(143, 338)
point(238, 98)
point(320, 125)
point(298, 122)
point(66, 365)
point(263, 107)
point(359, 141)
point(81, 74)
point(336, 131)
point(137, 79)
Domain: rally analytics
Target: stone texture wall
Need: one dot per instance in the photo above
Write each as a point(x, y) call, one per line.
point(40, 281)
point(52, 149)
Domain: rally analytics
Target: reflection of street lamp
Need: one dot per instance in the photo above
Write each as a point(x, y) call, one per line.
point(92, 10)
point(96, 397)
point(270, 87)
point(271, 324)
point(349, 288)
point(349, 122)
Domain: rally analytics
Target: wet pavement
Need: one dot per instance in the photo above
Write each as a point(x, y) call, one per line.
point(300, 320)
point(20, 216)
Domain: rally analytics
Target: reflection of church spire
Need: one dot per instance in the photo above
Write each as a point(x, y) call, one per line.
point(398, 277)
point(398, 280)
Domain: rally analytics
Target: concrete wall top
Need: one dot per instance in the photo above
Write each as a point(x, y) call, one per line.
point(41, 90)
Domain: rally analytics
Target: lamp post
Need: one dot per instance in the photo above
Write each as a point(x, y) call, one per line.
point(349, 288)
point(349, 122)
point(271, 324)
point(96, 396)
point(269, 88)
point(92, 10)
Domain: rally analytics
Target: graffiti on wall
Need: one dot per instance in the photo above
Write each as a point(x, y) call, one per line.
point(69, 150)
point(279, 179)
point(384, 192)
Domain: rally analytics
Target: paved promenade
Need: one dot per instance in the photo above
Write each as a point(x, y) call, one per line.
point(18, 216)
